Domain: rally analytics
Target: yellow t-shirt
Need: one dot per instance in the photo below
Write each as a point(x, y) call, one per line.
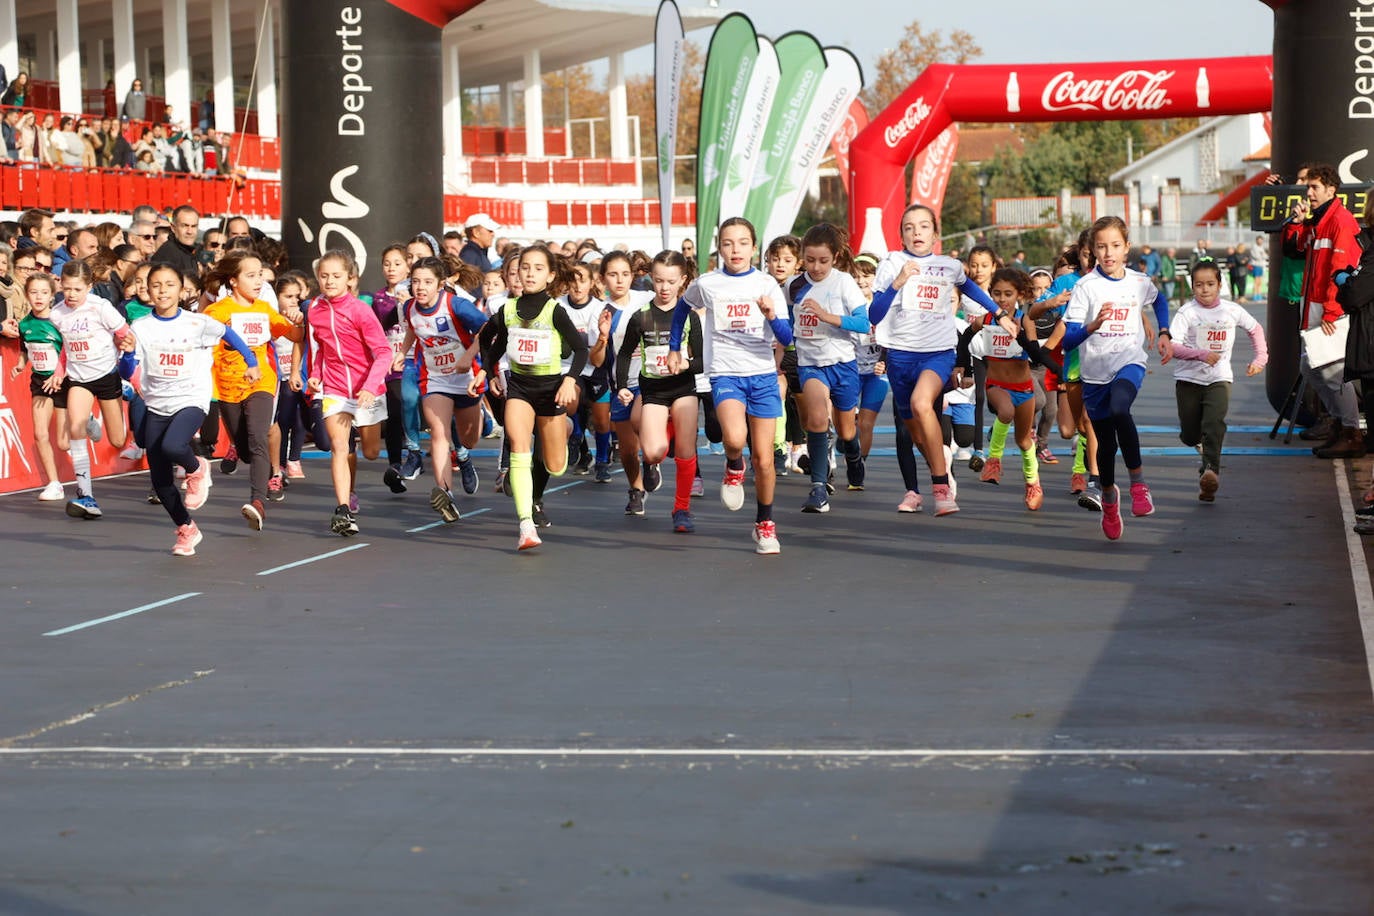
point(257, 325)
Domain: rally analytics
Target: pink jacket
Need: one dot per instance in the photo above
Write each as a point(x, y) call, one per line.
point(350, 352)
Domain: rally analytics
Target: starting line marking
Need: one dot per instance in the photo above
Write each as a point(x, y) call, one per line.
point(441, 522)
point(1359, 569)
point(681, 752)
point(129, 613)
point(323, 556)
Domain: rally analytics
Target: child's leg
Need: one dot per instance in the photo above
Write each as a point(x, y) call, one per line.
point(371, 439)
point(112, 412)
point(339, 428)
point(999, 400)
point(816, 419)
point(42, 436)
point(653, 432)
point(1189, 397)
point(683, 415)
point(438, 412)
point(79, 404)
point(761, 430)
point(906, 449)
point(1123, 395)
point(395, 421)
point(1216, 400)
point(1024, 420)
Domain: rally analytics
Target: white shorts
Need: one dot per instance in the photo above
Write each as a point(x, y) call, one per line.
point(331, 404)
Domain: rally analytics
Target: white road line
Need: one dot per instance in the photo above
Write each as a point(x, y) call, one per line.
point(1359, 569)
point(685, 752)
point(442, 522)
point(128, 613)
point(566, 486)
point(323, 556)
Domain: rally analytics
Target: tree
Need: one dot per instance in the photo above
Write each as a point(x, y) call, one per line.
point(573, 93)
point(639, 91)
point(896, 69)
point(1079, 155)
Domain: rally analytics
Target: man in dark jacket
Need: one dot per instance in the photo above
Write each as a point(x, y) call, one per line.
point(181, 250)
point(481, 230)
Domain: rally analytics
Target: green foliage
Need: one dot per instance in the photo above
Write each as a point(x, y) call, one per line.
point(1077, 155)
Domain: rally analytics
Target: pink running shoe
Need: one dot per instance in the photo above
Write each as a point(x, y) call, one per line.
point(198, 485)
point(188, 536)
point(1112, 525)
point(1141, 501)
point(1035, 496)
point(1077, 484)
point(294, 471)
point(353, 502)
point(944, 500)
point(992, 471)
point(911, 502)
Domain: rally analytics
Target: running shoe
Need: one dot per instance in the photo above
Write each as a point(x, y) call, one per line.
point(911, 502)
point(653, 478)
point(496, 432)
point(1365, 512)
point(804, 463)
point(584, 461)
point(344, 522)
point(1142, 503)
point(963, 453)
point(780, 462)
point(52, 492)
point(276, 488)
point(1035, 496)
point(1112, 525)
point(95, 430)
point(716, 448)
point(441, 501)
point(855, 471)
point(944, 500)
point(188, 536)
point(294, 470)
point(230, 462)
point(84, 507)
point(602, 473)
point(529, 535)
point(412, 464)
point(132, 452)
point(393, 479)
point(1091, 497)
point(732, 489)
point(353, 503)
point(1046, 455)
point(766, 538)
point(500, 480)
point(153, 498)
point(682, 522)
point(976, 461)
point(539, 516)
point(992, 471)
point(198, 485)
point(467, 472)
point(1077, 484)
point(698, 486)
point(1207, 486)
point(254, 513)
point(817, 502)
point(636, 504)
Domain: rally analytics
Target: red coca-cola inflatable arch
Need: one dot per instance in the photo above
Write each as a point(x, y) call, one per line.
point(946, 93)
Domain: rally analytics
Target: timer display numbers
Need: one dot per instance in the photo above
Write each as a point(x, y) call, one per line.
point(1272, 204)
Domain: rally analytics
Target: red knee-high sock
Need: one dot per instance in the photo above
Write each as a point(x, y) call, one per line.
point(686, 472)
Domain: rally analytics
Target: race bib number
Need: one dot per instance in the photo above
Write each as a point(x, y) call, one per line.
point(738, 317)
point(529, 346)
point(1002, 344)
point(1115, 318)
point(808, 325)
point(1216, 340)
point(656, 361)
point(168, 365)
point(255, 329)
point(397, 338)
point(443, 359)
point(922, 297)
point(43, 356)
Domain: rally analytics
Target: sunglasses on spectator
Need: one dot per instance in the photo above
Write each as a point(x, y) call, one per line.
point(214, 244)
point(62, 237)
point(150, 235)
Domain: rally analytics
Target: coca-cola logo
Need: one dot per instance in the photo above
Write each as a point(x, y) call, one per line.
point(849, 129)
point(916, 112)
point(930, 178)
point(1133, 90)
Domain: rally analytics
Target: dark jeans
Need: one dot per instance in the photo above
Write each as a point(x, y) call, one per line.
point(168, 441)
point(248, 423)
point(1202, 418)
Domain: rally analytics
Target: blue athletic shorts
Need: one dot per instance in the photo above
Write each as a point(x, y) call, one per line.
point(620, 413)
point(904, 369)
point(841, 378)
point(758, 393)
point(1097, 399)
point(873, 391)
point(1017, 397)
point(960, 414)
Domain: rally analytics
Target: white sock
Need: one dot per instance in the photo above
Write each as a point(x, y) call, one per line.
point(81, 464)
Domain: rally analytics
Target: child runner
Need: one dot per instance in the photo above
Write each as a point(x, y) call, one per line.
point(745, 315)
point(873, 388)
point(350, 357)
point(174, 350)
point(665, 397)
point(1046, 398)
point(1105, 320)
point(913, 311)
point(533, 332)
point(982, 262)
point(443, 325)
point(828, 310)
point(617, 275)
point(782, 259)
point(42, 345)
point(90, 329)
point(402, 443)
point(1203, 333)
point(293, 288)
point(585, 309)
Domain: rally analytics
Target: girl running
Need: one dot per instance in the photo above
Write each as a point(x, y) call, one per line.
point(402, 443)
point(174, 348)
point(828, 310)
point(668, 399)
point(293, 288)
point(1105, 320)
point(443, 325)
point(42, 346)
point(585, 309)
point(350, 357)
point(247, 405)
point(982, 263)
point(873, 387)
point(617, 275)
point(913, 311)
point(1203, 334)
point(533, 332)
point(92, 335)
point(745, 315)
point(782, 259)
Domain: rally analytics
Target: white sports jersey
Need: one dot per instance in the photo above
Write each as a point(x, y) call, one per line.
point(736, 339)
point(1120, 342)
point(88, 337)
point(175, 355)
point(585, 319)
point(921, 319)
point(867, 352)
point(994, 342)
point(1213, 329)
point(819, 343)
point(638, 298)
point(440, 340)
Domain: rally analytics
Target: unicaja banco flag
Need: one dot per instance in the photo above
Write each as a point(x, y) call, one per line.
point(668, 54)
point(730, 62)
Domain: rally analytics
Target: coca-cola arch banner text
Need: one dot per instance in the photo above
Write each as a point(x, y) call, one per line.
point(946, 93)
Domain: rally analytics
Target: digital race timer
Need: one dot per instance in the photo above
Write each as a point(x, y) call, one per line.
point(1271, 204)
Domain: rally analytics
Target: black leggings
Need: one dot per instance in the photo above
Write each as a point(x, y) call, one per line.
point(1117, 430)
point(709, 420)
point(395, 429)
point(168, 441)
point(906, 452)
point(291, 406)
point(980, 396)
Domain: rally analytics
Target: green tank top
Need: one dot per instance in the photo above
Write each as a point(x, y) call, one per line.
point(533, 347)
point(42, 344)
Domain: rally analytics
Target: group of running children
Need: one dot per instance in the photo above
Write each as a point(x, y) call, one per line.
point(554, 354)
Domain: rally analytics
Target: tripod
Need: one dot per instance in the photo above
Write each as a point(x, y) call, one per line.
point(1292, 406)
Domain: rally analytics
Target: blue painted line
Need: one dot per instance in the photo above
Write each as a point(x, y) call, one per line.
point(129, 613)
point(441, 522)
point(323, 556)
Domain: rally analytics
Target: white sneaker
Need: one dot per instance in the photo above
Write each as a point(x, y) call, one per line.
point(766, 538)
point(963, 454)
point(53, 492)
point(132, 453)
point(95, 430)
